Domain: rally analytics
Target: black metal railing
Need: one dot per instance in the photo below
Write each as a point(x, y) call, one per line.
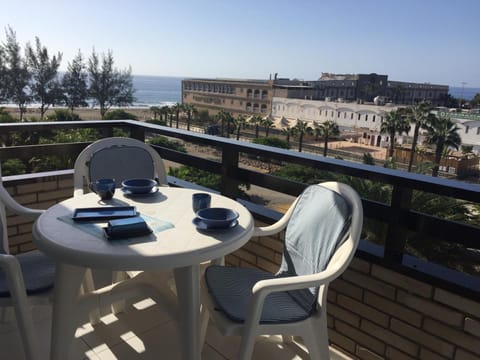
point(397, 215)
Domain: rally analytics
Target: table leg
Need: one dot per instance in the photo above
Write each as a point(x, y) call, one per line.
point(188, 292)
point(68, 280)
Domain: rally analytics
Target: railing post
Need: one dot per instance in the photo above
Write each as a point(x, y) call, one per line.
point(137, 132)
point(396, 233)
point(229, 183)
point(107, 131)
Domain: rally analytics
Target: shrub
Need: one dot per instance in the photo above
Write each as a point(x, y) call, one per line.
point(169, 144)
point(119, 114)
point(63, 115)
point(272, 141)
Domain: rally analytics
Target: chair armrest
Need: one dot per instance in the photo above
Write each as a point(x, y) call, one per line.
point(293, 282)
point(264, 287)
point(14, 206)
point(276, 227)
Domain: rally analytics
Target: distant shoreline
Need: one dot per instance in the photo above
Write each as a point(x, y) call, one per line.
point(142, 113)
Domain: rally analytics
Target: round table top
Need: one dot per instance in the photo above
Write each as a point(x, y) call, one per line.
point(83, 244)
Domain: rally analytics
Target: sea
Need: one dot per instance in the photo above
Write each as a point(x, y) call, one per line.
point(156, 90)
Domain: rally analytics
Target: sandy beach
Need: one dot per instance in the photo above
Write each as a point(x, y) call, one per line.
point(84, 113)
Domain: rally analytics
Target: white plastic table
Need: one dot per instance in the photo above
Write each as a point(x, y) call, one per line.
point(181, 248)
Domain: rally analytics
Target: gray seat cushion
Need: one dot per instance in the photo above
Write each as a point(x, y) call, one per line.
point(319, 223)
point(38, 273)
point(231, 289)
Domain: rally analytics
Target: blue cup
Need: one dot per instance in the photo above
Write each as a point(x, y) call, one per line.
point(200, 201)
point(105, 188)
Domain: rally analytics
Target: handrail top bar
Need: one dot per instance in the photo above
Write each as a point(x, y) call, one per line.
point(403, 179)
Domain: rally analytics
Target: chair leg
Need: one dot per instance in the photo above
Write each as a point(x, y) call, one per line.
point(88, 286)
point(27, 331)
point(246, 346)
point(315, 337)
point(204, 319)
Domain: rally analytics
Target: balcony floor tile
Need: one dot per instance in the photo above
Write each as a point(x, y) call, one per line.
point(140, 333)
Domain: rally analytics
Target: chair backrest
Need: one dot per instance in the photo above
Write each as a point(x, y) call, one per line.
point(118, 158)
point(323, 230)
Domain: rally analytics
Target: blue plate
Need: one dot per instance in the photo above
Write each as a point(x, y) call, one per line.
point(203, 226)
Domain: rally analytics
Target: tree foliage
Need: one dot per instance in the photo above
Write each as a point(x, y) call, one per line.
point(119, 114)
point(45, 86)
point(167, 143)
point(74, 83)
point(327, 130)
point(394, 123)
point(443, 133)
point(16, 74)
point(108, 85)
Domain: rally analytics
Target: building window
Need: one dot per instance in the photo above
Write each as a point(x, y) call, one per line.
point(359, 116)
point(249, 92)
point(256, 94)
point(366, 117)
point(263, 108)
point(373, 119)
point(249, 107)
point(264, 94)
point(255, 107)
point(466, 129)
point(351, 116)
point(338, 114)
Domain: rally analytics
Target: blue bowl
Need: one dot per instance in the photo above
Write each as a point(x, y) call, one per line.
point(217, 217)
point(138, 186)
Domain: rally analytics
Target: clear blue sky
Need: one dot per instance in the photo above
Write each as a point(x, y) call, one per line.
point(435, 41)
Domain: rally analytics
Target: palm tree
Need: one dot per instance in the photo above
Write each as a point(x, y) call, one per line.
point(288, 132)
point(165, 110)
point(302, 128)
point(256, 120)
point(177, 107)
point(225, 118)
point(189, 109)
point(442, 132)
point(240, 121)
point(267, 123)
point(392, 124)
point(418, 115)
point(326, 130)
point(156, 111)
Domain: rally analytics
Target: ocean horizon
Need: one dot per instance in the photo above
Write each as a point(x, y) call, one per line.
point(154, 90)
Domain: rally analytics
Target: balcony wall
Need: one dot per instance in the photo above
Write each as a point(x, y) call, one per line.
point(374, 312)
point(386, 305)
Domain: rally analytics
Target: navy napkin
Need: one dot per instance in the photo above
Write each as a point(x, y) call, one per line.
point(128, 227)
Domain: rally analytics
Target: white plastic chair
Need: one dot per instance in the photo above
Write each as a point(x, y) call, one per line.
point(25, 279)
point(119, 158)
point(323, 228)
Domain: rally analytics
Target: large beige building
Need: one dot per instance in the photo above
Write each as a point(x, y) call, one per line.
point(255, 96)
point(235, 96)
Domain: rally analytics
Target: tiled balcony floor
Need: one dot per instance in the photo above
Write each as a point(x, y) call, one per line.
point(142, 332)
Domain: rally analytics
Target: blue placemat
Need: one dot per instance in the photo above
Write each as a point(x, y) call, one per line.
point(96, 229)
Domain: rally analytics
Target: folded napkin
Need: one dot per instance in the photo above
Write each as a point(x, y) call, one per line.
point(129, 227)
